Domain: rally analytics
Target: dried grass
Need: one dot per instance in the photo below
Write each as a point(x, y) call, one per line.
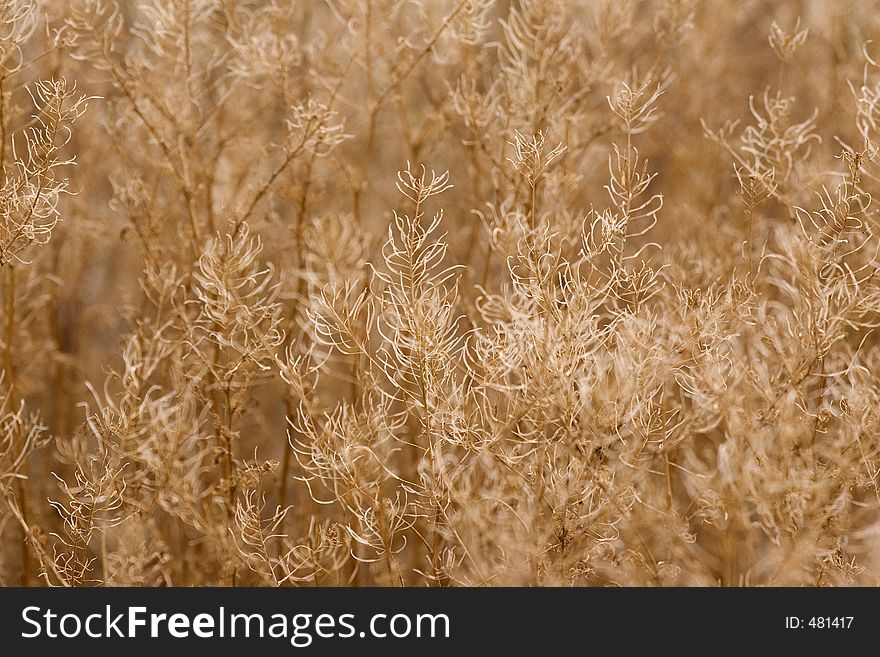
point(622, 333)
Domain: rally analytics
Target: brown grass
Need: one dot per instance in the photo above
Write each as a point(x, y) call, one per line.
point(449, 293)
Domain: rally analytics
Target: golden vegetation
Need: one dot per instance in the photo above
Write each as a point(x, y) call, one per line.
point(454, 293)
